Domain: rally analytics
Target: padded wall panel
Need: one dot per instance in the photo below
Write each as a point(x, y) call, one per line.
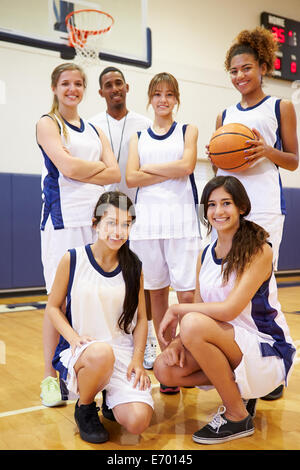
point(5, 231)
point(289, 254)
point(26, 210)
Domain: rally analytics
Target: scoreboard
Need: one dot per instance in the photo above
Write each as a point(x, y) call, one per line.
point(287, 34)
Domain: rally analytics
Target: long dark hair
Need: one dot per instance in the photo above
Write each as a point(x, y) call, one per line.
point(130, 264)
point(249, 239)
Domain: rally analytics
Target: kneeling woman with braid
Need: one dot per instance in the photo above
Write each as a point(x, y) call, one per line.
point(104, 331)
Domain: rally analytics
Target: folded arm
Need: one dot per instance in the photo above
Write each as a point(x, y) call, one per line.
point(49, 139)
point(178, 168)
point(135, 176)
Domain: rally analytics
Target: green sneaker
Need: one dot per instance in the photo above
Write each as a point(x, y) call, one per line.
point(50, 392)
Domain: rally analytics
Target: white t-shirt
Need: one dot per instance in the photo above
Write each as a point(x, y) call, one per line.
point(119, 134)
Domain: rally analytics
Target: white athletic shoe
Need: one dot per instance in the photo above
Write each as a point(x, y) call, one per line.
point(150, 353)
point(50, 392)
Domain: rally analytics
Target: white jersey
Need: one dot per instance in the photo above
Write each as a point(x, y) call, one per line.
point(95, 301)
point(262, 316)
point(68, 202)
point(262, 181)
point(168, 209)
point(119, 133)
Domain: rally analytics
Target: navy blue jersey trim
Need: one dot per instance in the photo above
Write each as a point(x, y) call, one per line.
point(51, 195)
point(239, 106)
point(63, 343)
point(196, 200)
point(75, 128)
point(71, 274)
point(96, 265)
point(162, 137)
point(224, 116)
point(214, 256)
point(92, 125)
point(282, 199)
point(278, 146)
point(264, 316)
point(278, 143)
point(204, 253)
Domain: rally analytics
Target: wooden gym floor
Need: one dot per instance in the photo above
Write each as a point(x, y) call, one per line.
point(27, 425)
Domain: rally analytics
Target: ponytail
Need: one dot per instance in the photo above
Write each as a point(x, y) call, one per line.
point(247, 242)
point(131, 268)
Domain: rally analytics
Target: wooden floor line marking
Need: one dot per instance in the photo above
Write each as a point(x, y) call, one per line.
point(41, 407)
point(29, 410)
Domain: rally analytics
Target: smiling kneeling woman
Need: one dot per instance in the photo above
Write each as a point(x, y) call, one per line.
point(104, 331)
point(234, 337)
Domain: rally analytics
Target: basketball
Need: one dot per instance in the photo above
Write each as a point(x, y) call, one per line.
point(227, 145)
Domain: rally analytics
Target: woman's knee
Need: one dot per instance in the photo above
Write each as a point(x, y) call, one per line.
point(138, 420)
point(99, 354)
point(163, 373)
point(193, 327)
point(185, 297)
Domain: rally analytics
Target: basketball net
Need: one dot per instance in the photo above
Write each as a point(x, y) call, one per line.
point(86, 29)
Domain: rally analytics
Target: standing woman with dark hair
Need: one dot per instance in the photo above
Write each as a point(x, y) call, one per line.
point(104, 330)
point(235, 336)
point(166, 236)
point(273, 120)
point(78, 161)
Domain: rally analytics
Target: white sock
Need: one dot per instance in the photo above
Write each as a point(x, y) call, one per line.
point(150, 329)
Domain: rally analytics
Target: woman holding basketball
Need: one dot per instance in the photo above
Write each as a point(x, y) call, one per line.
point(249, 59)
point(166, 235)
point(235, 336)
point(78, 161)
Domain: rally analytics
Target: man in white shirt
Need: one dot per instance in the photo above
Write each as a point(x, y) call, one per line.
point(119, 124)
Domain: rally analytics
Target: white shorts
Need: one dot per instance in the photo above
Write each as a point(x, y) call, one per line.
point(168, 262)
point(256, 375)
point(273, 224)
point(119, 389)
point(55, 243)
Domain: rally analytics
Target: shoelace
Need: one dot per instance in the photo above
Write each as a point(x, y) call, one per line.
point(150, 348)
point(92, 414)
point(217, 420)
point(51, 384)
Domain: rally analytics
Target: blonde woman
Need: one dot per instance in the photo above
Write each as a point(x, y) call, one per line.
point(166, 235)
point(78, 161)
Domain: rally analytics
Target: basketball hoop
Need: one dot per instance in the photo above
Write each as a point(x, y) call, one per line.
point(85, 28)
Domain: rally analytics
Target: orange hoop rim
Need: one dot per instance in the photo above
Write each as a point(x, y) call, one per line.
point(87, 32)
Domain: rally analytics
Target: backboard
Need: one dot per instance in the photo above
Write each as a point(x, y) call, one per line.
point(41, 24)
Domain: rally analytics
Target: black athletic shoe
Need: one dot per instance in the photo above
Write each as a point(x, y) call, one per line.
point(107, 412)
point(277, 393)
point(250, 405)
point(221, 429)
point(90, 427)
